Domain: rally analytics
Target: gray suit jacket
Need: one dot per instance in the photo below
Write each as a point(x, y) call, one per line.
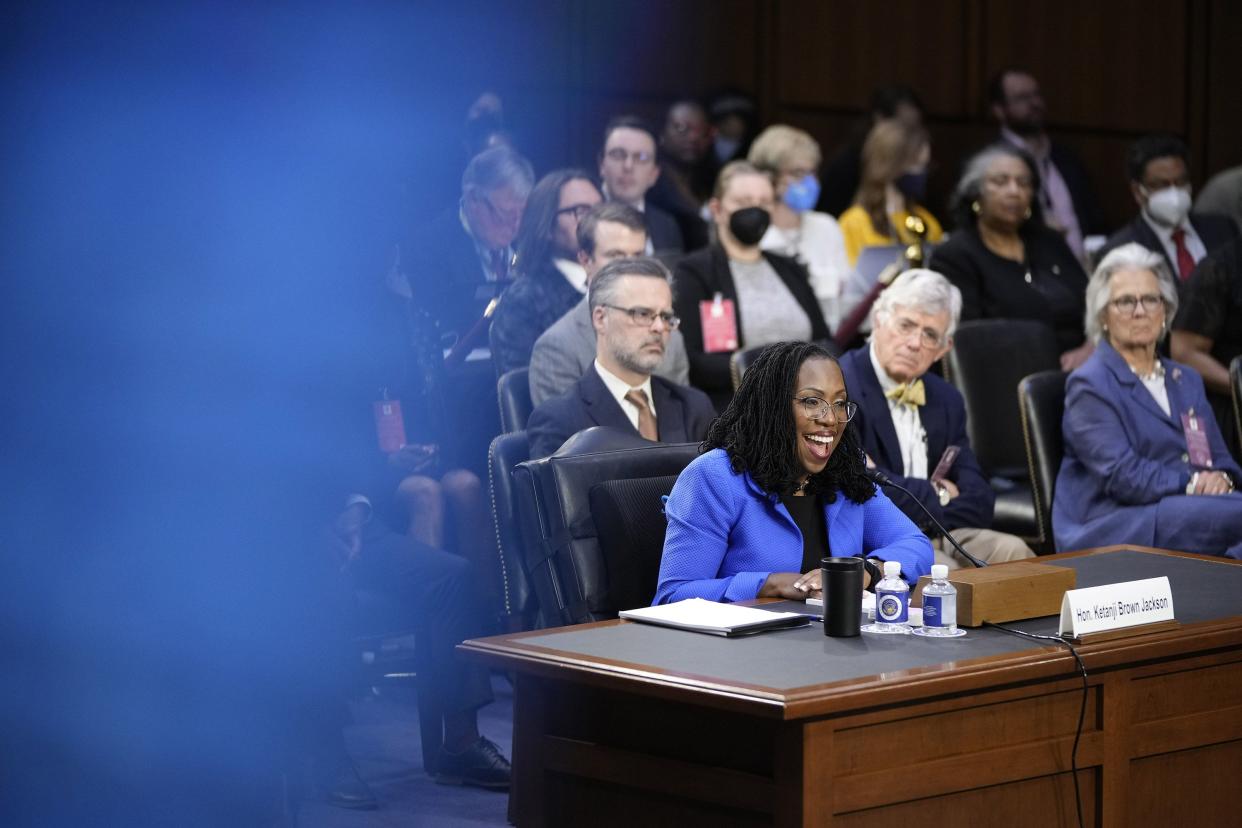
point(565, 351)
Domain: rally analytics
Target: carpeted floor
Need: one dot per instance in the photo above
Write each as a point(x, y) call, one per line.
point(385, 746)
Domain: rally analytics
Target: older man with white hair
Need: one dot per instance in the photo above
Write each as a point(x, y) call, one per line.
point(912, 424)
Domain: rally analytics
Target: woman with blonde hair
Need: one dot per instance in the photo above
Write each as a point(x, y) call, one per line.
point(887, 209)
point(792, 157)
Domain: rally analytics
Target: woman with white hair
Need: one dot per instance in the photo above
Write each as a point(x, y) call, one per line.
point(1144, 459)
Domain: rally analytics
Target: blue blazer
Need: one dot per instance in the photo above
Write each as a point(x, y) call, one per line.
point(726, 535)
point(1123, 454)
point(944, 421)
point(683, 414)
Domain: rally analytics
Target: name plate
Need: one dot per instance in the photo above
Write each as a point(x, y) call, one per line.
point(1116, 606)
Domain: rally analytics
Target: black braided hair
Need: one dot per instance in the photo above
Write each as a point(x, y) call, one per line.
point(760, 435)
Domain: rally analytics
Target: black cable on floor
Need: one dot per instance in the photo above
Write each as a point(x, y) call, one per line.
point(1082, 709)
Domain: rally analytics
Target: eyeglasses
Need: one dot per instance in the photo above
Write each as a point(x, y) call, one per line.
point(621, 156)
point(927, 336)
point(1127, 305)
point(816, 407)
point(646, 317)
point(579, 210)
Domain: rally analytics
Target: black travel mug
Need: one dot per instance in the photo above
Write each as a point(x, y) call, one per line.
point(842, 580)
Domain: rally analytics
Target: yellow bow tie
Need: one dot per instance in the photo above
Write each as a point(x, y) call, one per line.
point(908, 393)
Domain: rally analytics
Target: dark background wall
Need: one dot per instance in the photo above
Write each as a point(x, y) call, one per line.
point(1110, 70)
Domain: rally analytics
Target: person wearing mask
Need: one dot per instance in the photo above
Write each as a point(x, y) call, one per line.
point(1160, 183)
point(894, 182)
point(1005, 260)
point(632, 313)
point(798, 231)
point(843, 171)
point(1144, 460)
point(565, 351)
point(550, 280)
point(781, 484)
point(733, 295)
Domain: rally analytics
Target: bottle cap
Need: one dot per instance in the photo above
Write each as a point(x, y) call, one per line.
point(940, 572)
point(892, 569)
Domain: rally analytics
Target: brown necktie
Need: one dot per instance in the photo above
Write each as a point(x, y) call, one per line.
point(646, 420)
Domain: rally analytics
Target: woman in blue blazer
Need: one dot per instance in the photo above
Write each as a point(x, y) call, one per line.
point(1144, 459)
point(779, 486)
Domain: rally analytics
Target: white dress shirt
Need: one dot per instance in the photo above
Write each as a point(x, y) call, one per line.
point(619, 388)
point(1193, 243)
point(906, 422)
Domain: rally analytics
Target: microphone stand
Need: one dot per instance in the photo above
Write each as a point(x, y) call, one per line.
point(884, 480)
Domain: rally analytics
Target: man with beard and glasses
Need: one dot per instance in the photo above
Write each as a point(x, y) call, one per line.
point(631, 304)
point(1066, 195)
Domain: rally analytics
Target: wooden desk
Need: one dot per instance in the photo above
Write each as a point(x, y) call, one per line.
point(973, 741)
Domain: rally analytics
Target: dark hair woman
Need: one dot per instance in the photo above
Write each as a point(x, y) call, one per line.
point(751, 516)
point(1004, 258)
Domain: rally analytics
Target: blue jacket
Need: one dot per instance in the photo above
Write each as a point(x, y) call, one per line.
point(944, 421)
point(1123, 455)
point(726, 535)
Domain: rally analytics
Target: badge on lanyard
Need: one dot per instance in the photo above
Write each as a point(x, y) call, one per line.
point(719, 325)
point(389, 427)
point(1196, 441)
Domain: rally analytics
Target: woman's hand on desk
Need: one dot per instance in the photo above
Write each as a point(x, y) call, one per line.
point(792, 586)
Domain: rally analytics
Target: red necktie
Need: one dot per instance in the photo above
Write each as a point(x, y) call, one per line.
point(1185, 261)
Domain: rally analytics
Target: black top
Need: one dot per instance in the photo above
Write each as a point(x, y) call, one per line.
point(1049, 287)
point(808, 513)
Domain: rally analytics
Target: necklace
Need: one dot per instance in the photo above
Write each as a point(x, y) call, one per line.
point(1157, 372)
point(802, 486)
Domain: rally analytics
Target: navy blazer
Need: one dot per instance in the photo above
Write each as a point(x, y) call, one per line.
point(1215, 231)
point(682, 413)
point(446, 275)
point(944, 420)
point(1123, 454)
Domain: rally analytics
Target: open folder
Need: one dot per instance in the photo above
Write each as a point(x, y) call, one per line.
point(714, 618)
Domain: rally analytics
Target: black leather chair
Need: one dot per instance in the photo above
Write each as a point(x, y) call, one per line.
point(1042, 399)
point(1235, 385)
point(988, 360)
point(513, 395)
point(519, 604)
point(565, 561)
point(740, 361)
point(629, 519)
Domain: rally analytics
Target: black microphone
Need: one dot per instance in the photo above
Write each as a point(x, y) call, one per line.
point(884, 480)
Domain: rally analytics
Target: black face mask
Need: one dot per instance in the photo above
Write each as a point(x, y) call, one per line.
point(749, 224)
point(912, 185)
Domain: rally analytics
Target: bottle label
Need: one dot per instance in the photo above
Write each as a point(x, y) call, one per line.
point(939, 610)
point(891, 607)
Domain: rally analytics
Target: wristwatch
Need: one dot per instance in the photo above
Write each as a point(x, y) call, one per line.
point(873, 569)
point(943, 493)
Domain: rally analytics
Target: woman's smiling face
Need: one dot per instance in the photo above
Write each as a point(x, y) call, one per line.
point(820, 431)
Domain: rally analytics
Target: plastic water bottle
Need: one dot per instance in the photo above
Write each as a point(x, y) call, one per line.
point(892, 600)
point(940, 604)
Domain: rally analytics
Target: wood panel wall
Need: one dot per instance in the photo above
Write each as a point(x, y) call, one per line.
point(1110, 69)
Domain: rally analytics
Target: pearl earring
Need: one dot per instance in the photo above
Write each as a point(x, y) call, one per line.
point(974, 207)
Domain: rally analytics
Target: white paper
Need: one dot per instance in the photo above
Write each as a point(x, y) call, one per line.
point(702, 615)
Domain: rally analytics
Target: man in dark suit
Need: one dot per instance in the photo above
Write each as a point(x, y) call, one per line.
point(1068, 199)
point(628, 168)
point(632, 311)
point(907, 418)
point(456, 265)
point(1160, 183)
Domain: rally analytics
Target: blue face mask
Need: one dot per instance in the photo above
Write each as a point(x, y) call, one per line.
point(803, 194)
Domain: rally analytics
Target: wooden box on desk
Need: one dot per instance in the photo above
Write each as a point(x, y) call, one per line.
point(1005, 592)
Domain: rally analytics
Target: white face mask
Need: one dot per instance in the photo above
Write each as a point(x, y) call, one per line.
point(1170, 205)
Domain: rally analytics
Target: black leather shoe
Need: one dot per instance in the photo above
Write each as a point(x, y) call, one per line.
point(482, 765)
point(344, 788)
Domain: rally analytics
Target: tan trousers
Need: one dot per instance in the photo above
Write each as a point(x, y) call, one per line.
point(986, 545)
